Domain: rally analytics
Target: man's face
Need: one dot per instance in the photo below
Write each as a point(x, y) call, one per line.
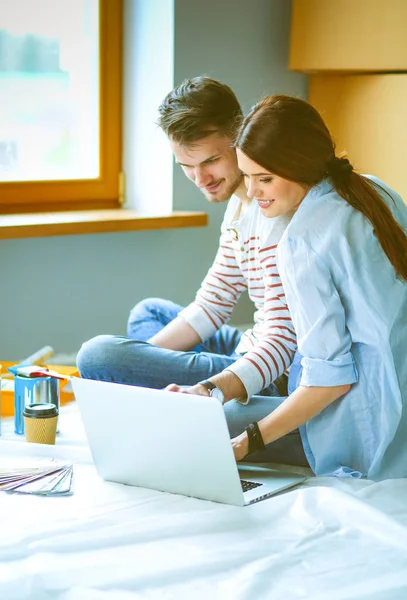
point(211, 164)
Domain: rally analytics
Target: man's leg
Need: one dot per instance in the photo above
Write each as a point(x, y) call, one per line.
point(151, 315)
point(122, 360)
point(287, 450)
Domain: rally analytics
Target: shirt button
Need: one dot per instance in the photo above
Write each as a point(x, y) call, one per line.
point(241, 249)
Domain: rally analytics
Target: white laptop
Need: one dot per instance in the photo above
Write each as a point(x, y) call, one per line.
point(171, 442)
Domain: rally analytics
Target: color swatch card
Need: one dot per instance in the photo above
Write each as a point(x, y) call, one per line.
point(49, 478)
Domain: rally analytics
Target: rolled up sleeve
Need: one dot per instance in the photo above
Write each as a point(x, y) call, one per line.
point(328, 373)
point(318, 316)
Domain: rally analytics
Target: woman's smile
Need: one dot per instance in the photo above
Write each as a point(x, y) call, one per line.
point(264, 203)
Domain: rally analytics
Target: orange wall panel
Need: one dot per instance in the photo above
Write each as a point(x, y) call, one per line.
point(348, 35)
point(367, 116)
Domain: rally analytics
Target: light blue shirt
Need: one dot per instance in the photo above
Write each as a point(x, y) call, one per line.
point(349, 311)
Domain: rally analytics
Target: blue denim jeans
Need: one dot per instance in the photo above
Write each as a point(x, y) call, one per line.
point(132, 360)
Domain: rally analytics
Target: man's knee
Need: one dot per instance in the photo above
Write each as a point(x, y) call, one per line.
point(149, 316)
point(95, 352)
point(145, 309)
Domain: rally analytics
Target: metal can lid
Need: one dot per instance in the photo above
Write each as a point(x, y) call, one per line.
point(41, 410)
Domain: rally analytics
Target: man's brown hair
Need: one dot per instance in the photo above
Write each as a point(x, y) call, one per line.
point(197, 108)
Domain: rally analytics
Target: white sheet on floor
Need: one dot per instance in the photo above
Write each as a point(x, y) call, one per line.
point(329, 538)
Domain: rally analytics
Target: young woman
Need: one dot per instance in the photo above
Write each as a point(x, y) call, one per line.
point(343, 265)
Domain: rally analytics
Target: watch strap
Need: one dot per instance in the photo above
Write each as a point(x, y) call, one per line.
point(256, 442)
point(208, 384)
point(213, 390)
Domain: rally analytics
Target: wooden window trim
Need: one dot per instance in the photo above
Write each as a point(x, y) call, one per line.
point(53, 208)
point(28, 197)
point(19, 226)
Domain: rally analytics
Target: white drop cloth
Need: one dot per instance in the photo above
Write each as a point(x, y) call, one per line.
point(328, 539)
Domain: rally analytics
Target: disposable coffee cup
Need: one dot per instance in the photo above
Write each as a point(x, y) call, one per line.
point(40, 423)
point(30, 390)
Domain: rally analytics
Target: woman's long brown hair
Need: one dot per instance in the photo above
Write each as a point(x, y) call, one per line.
point(288, 137)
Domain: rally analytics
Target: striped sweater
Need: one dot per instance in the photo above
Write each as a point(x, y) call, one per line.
point(246, 259)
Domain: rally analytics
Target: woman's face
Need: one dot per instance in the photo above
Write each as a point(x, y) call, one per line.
point(275, 196)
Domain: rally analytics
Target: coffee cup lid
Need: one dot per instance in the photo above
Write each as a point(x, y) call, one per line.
point(40, 410)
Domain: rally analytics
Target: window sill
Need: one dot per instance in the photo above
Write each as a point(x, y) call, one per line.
point(93, 221)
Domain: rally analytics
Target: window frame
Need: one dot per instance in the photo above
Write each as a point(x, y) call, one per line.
point(103, 192)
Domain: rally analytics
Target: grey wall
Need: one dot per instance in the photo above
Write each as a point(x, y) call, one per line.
point(63, 290)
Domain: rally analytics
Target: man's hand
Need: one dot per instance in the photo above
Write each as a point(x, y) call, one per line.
point(240, 445)
point(227, 381)
point(197, 389)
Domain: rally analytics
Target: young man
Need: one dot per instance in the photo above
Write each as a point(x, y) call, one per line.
point(168, 346)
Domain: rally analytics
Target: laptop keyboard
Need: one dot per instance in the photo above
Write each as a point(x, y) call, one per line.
point(249, 485)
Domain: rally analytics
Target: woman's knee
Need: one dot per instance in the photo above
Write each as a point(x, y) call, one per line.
point(236, 417)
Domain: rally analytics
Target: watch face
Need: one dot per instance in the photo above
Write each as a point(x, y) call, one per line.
point(218, 394)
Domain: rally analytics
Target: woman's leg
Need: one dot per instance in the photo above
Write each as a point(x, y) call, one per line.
point(287, 450)
point(119, 359)
point(151, 315)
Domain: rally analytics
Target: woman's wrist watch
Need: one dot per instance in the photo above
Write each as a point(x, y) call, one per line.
point(214, 391)
point(255, 439)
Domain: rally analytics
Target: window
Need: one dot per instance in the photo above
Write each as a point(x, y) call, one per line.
point(60, 104)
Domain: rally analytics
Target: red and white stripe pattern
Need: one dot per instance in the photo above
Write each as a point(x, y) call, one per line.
point(246, 259)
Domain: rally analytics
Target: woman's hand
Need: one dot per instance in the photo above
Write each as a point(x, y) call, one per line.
point(240, 445)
